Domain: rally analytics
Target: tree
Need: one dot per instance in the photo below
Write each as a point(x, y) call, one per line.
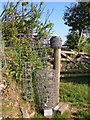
point(77, 16)
point(19, 19)
point(72, 40)
point(23, 17)
point(75, 42)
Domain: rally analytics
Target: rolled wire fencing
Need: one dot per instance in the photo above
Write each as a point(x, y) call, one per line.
point(40, 81)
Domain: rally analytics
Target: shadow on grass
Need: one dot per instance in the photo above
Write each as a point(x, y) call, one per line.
point(79, 80)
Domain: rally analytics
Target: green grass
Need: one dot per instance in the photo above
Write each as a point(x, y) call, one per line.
point(38, 115)
point(83, 114)
point(74, 93)
point(66, 115)
point(77, 80)
point(56, 116)
point(75, 89)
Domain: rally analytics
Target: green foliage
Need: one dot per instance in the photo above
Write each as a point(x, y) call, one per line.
point(20, 19)
point(24, 3)
point(25, 20)
point(77, 18)
point(72, 40)
point(75, 42)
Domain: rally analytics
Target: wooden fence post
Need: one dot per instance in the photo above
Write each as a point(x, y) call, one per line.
point(57, 58)
point(55, 43)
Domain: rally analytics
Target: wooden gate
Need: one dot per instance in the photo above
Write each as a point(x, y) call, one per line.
point(75, 64)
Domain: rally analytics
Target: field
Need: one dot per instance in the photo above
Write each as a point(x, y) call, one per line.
point(73, 90)
point(76, 91)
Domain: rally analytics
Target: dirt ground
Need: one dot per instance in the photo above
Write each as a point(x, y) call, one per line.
point(13, 106)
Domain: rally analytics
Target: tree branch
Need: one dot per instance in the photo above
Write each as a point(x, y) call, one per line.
point(47, 16)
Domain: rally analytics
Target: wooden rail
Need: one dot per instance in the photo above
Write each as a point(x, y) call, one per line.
point(71, 70)
point(79, 63)
point(72, 65)
point(74, 75)
point(76, 53)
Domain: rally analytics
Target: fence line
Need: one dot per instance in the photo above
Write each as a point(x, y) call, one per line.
point(80, 64)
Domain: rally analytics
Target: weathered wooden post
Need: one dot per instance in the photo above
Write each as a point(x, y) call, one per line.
point(55, 43)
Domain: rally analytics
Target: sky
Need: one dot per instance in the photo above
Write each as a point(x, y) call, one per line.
point(60, 29)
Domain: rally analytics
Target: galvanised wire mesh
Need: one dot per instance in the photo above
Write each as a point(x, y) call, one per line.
point(40, 82)
point(45, 88)
point(27, 83)
point(31, 64)
point(36, 61)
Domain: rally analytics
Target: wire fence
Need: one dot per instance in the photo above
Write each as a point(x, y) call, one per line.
point(40, 82)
